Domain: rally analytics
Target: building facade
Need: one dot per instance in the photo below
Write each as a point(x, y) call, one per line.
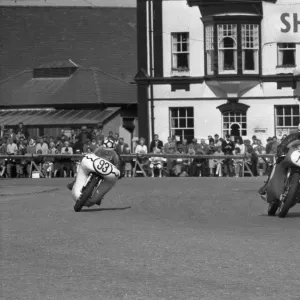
point(207, 67)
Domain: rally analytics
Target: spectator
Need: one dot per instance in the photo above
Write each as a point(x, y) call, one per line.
point(204, 162)
point(169, 144)
point(2, 131)
point(73, 136)
point(77, 146)
point(237, 163)
point(2, 161)
point(127, 163)
point(156, 163)
point(11, 149)
point(195, 169)
point(42, 146)
point(63, 135)
point(227, 148)
point(218, 142)
point(11, 135)
point(261, 162)
point(19, 136)
point(66, 163)
point(21, 163)
point(241, 146)
point(184, 146)
point(22, 130)
point(110, 135)
point(141, 148)
point(156, 143)
point(87, 145)
point(98, 134)
point(116, 138)
point(94, 144)
point(253, 157)
point(170, 161)
point(211, 151)
point(269, 145)
point(219, 162)
point(84, 135)
point(121, 146)
point(274, 145)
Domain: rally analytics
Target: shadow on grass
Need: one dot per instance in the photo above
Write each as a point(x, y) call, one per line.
point(106, 209)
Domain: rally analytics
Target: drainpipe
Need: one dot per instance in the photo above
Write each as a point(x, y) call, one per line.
point(151, 67)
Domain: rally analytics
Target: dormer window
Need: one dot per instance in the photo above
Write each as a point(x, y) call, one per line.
point(232, 49)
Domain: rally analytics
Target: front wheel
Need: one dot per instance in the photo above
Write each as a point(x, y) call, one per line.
point(86, 192)
point(289, 195)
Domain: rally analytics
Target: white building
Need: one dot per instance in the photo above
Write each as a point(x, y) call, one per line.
point(218, 66)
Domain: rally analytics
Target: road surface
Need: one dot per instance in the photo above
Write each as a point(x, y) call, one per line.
point(154, 238)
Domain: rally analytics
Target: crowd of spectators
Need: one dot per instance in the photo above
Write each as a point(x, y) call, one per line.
point(208, 167)
point(16, 141)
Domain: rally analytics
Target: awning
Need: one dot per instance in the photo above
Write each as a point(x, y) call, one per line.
point(55, 117)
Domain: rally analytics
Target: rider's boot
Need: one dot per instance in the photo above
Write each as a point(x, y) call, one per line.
point(70, 185)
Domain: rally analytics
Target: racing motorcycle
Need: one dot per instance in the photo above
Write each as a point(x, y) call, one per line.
point(284, 183)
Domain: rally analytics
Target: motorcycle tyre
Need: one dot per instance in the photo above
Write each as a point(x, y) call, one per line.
point(272, 209)
point(87, 193)
point(290, 198)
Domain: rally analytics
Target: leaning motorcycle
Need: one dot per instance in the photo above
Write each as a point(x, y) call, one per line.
point(92, 172)
point(284, 183)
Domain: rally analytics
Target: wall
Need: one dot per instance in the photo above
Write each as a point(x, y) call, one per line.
point(208, 118)
point(275, 29)
point(179, 17)
point(112, 125)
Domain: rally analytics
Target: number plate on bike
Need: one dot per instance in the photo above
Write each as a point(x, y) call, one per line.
point(295, 157)
point(103, 167)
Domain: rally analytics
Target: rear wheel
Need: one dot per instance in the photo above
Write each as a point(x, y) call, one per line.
point(290, 195)
point(273, 207)
point(86, 193)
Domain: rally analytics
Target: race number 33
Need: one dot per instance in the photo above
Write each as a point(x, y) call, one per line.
point(102, 166)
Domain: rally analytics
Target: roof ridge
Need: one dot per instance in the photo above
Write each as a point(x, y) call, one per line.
point(15, 75)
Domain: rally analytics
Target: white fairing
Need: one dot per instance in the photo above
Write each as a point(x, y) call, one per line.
point(92, 163)
point(295, 157)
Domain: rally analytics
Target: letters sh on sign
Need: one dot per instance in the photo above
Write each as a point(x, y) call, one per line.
point(281, 22)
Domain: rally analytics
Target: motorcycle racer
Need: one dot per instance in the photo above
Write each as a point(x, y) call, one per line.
point(282, 148)
point(107, 155)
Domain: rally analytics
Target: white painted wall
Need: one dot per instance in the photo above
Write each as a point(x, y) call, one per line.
point(208, 119)
point(179, 17)
point(272, 34)
point(92, 3)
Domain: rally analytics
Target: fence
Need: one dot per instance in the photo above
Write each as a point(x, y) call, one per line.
point(33, 157)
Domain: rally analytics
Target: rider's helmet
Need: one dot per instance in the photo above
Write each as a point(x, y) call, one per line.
point(109, 144)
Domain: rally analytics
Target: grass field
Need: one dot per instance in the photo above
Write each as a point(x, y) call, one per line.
point(154, 238)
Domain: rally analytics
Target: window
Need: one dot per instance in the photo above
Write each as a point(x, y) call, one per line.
point(238, 48)
point(287, 118)
point(286, 54)
point(182, 122)
point(250, 48)
point(180, 51)
point(209, 35)
point(227, 45)
point(235, 123)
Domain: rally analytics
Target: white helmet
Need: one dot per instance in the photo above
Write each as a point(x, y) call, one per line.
point(299, 127)
point(109, 143)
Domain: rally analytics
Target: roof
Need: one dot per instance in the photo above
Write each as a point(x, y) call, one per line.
point(84, 86)
point(56, 117)
point(98, 37)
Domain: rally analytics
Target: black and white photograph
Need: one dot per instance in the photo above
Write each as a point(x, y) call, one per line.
point(150, 149)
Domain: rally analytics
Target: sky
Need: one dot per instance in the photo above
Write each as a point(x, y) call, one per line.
point(125, 3)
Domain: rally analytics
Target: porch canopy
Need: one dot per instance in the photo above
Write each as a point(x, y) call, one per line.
point(54, 117)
